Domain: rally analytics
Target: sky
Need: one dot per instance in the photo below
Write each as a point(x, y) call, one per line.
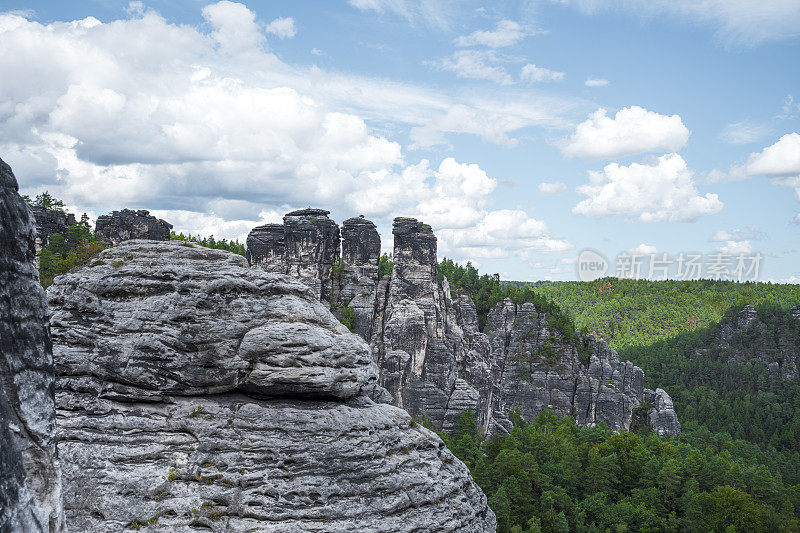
point(523, 132)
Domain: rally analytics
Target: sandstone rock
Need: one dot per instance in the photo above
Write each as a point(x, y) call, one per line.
point(30, 481)
point(265, 248)
point(127, 225)
point(196, 394)
point(50, 222)
point(541, 371)
point(661, 415)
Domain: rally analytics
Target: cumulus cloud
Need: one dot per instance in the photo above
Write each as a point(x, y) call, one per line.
point(739, 22)
point(506, 33)
point(532, 74)
point(780, 160)
point(552, 188)
point(633, 130)
point(595, 82)
point(209, 123)
point(282, 27)
point(659, 192)
point(476, 65)
point(645, 249)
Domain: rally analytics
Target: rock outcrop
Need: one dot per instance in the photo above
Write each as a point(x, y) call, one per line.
point(127, 225)
point(745, 338)
point(50, 222)
point(30, 482)
point(306, 246)
point(433, 358)
point(194, 393)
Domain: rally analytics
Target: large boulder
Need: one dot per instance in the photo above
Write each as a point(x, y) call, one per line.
point(30, 482)
point(195, 393)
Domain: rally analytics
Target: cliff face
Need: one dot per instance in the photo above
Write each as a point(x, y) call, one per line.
point(49, 222)
point(434, 360)
point(127, 224)
point(195, 393)
point(539, 370)
point(746, 337)
point(30, 481)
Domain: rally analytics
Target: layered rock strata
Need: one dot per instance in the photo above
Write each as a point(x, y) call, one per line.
point(128, 224)
point(539, 370)
point(306, 246)
point(433, 358)
point(196, 394)
point(30, 481)
point(50, 222)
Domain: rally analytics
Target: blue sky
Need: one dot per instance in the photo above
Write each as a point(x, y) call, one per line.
point(523, 132)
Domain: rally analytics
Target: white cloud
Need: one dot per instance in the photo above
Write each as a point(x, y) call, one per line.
point(553, 188)
point(210, 124)
point(532, 74)
point(506, 33)
point(779, 160)
point(663, 191)
point(317, 52)
point(282, 27)
point(595, 82)
point(736, 247)
point(475, 64)
point(741, 22)
point(743, 132)
point(633, 130)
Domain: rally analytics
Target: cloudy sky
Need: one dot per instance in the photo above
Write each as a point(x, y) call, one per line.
point(522, 131)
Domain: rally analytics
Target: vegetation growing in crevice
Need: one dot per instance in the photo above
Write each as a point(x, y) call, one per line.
point(385, 266)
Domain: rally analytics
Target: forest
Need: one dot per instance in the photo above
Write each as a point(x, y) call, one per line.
point(736, 465)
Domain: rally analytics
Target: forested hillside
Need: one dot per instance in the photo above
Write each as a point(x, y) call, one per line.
point(731, 372)
point(630, 313)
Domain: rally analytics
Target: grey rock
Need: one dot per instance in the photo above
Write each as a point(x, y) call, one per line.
point(265, 248)
point(128, 225)
point(197, 394)
point(661, 415)
point(48, 223)
point(30, 479)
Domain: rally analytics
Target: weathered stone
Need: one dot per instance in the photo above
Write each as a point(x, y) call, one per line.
point(127, 225)
point(30, 481)
point(661, 415)
point(197, 394)
point(265, 248)
point(50, 222)
point(433, 358)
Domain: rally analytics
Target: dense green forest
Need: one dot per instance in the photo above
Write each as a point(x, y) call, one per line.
point(551, 476)
point(741, 425)
point(630, 313)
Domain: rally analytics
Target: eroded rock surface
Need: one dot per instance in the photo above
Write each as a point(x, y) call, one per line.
point(50, 222)
point(30, 482)
point(196, 394)
point(128, 224)
point(434, 360)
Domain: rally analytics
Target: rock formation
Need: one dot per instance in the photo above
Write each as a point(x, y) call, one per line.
point(194, 393)
point(433, 358)
point(30, 482)
point(746, 338)
point(127, 224)
point(306, 247)
point(50, 222)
